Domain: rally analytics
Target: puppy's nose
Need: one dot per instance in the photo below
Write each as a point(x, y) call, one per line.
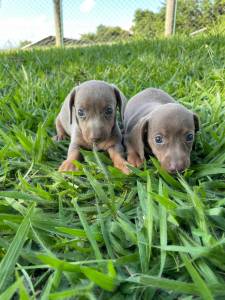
point(175, 167)
point(96, 139)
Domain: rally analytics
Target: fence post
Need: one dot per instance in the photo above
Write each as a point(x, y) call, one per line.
point(170, 17)
point(58, 23)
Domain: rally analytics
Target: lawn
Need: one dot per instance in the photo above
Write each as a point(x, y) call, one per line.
point(96, 233)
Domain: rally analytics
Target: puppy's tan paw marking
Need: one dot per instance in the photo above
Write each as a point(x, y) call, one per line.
point(122, 166)
point(134, 160)
point(58, 138)
point(67, 165)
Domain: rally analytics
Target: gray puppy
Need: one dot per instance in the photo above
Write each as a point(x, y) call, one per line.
point(88, 116)
point(154, 119)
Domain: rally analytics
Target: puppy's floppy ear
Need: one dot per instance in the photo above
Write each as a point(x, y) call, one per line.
point(196, 122)
point(138, 135)
point(120, 100)
point(71, 102)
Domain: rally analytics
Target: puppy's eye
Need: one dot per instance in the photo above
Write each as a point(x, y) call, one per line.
point(189, 137)
point(159, 139)
point(81, 113)
point(108, 111)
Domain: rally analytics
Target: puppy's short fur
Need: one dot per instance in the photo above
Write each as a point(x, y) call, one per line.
point(88, 116)
point(154, 119)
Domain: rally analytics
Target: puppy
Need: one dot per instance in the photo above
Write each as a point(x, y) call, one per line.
point(88, 116)
point(154, 119)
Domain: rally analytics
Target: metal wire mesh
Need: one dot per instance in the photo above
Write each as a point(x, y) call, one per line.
point(24, 22)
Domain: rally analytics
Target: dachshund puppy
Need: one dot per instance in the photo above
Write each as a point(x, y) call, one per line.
point(153, 119)
point(88, 116)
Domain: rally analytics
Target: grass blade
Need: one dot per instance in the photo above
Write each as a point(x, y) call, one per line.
point(88, 231)
point(9, 260)
point(199, 282)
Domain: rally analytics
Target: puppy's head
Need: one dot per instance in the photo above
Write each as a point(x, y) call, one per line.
point(170, 132)
point(96, 103)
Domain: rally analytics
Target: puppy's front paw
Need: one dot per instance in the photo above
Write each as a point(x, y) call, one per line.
point(67, 165)
point(59, 137)
point(134, 160)
point(122, 166)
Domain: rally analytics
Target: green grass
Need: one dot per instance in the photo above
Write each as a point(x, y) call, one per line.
point(96, 233)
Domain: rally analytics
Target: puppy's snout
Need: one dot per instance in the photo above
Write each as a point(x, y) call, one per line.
point(175, 163)
point(96, 136)
point(96, 139)
point(176, 167)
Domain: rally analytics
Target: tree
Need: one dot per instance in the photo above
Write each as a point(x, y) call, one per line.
point(106, 34)
point(195, 14)
point(88, 38)
point(147, 24)
point(219, 8)
point(24, 43)
point(191, 15)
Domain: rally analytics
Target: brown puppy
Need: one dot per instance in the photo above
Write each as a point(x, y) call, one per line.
point(154, 119)
point(88, 116)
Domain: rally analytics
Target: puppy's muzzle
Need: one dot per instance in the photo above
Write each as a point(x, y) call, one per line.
point(96, 140)
point(97, 135)
point(174, 165)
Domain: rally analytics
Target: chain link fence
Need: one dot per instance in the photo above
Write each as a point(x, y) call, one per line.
point(29, 23)
point(24, 22)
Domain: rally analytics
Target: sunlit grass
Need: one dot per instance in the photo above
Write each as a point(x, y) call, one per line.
point(96, 233)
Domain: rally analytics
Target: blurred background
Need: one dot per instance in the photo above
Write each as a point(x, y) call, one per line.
point(30, 23)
